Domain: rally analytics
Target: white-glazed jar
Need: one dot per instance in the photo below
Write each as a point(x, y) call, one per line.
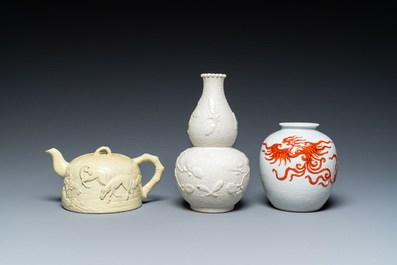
point(298, 167)
point(212, 176)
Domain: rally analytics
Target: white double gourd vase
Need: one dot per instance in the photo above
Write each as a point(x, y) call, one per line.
point(212, 176)
point(298, 167)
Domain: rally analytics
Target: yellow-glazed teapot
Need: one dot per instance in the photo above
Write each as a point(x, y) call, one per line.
point(104, 182)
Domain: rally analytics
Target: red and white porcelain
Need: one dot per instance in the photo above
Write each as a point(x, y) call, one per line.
point(298, 166)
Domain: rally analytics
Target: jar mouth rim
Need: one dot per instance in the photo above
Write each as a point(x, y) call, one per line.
point(206, 75)
point(299, 125)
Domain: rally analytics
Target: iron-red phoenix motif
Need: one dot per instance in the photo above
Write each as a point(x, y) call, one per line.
point(313, 156)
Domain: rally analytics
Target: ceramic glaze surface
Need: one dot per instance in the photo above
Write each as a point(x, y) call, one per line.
point(213, 123)
point(104, 182)
point(298, 167)
point(212, 179)
point(212, 176)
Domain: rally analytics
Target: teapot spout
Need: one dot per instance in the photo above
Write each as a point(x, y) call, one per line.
point(60, 164)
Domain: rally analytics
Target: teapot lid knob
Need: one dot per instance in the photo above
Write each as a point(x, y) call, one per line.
point(103, 148)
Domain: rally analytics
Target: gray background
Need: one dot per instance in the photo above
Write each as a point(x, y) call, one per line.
point(79, 77)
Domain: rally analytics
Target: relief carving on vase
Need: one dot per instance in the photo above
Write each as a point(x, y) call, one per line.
point(212, 176)
point(187, 163)
point(213, 191)
point(212, 122)
point(237, 167)
point(187, 188)
point(235, 122)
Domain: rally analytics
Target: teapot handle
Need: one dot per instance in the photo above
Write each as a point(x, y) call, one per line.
point(157, 176)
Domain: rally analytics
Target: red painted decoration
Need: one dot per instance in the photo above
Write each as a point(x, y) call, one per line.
point(312, 155)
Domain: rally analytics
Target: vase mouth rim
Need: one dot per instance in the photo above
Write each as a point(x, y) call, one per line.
point(211, 75)
point(299, 125)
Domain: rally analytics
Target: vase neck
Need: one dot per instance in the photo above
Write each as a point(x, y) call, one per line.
point(213, 84)
point(299, 125)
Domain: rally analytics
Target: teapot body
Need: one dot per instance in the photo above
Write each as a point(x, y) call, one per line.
point(102, 184)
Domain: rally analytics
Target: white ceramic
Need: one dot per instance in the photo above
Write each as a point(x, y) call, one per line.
point(104, 182)
point(212, 176)
point(212, 179)
point(298, 167)
point(213, 123)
